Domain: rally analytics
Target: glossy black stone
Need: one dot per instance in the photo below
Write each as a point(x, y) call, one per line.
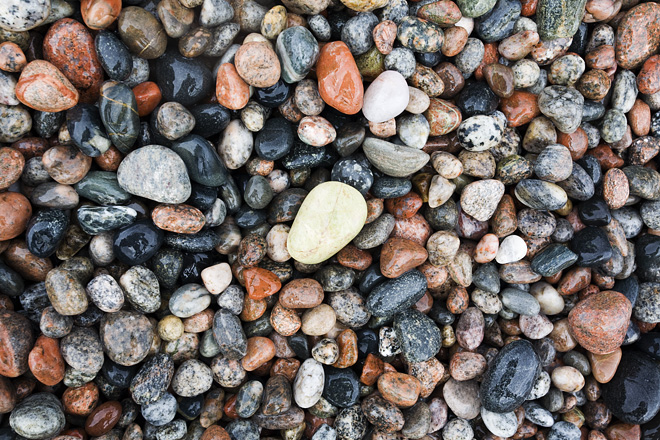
point(341, 387)
point(633, 394)
point(337, 21)
point(476, 98)
point(259, 327)
point(649, 343)
point(387, 187)
point(136, 243)
point(247, 217)
point(592, 167)
point(45, 232)
point(192, 265)
point(367, 342)
point(354, 171)
point(594, 212)
point(651, 430)
point(510, 377)
point(498, 23)
point(210, 119)
point(370, 278)
point(397, 294)
point(202, 197)
point(184, 80)
point(418, 335)
point(167, 265)
point(545, 350)
point(299, 345)
point(629, 287)
point(632, 334)
point(285, 205)
point(275, 139)
point(203, 241)
point(113, 55)
point(11, 283)
point(118, 375)
point(190, 407)
point(591, 246)
point(145, 136)
point(202, 161)
point(89, 317)
point(579, 43)
point(440, 314)
point(86, 129)
point(231, 195)
point(303, 155)
point(647, 257)
point(429, 59)
point(46, 124)
point(274, 95)
point(349, 138)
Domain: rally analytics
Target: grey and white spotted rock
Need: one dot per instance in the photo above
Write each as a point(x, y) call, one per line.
point(161, 411)
point(554, 163)
point(215, 12)
point(192, 379)
point(350, 307)
point(537, 194)
point(20, 15)
point(229, 335)
point(174, 121)
point(563, 105)
point(538, 415)
point(502, 425)
point(470, 57)
point(153, 379)
point(624, 91)
point(413, 130)
point(38, 417)
point(8, 89)
point(298, 51)
point(189, 300)
point(388, 342)
point(350, 423)
point(96, 220)
point(15, 122)
point(320, 27)
point(232, 299)
point(326, 351)
point(175, 430)
point(457, 429)
point(221, 39)
point(613, 126)
point(141, 289)
point(105, 293)
point(418, 335)
point(480, 199)
point(647, 307)
point(479, 133)
point(82, 350)
point(402, 60)
point(357, 32)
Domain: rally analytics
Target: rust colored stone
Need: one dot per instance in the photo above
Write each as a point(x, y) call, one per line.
point(15, 212)
point(601, 57)
point(603, 366)
point(399, 388)
point(623, 431)
point(11, 166)
point(285, 321)
point(528, 7)
point(46, 362)
point(451, 77)
point(253, 309)
point(147, 96)
point(259, 351)
point(8, 396)
point(404, 206)
point(66, 164)
point(340, 83)
point(520, 108)
point(215, 432)
point(348, 349)
point(399, 255)
point(576, 142)
point(12, 58)
point(615, 188)
point(103, 418)
point(17, 339)
point(110, 160)
point(500, 79)
point(458, 300)
point(384, 35)
point(182, 219)
point(99, 14)
point(504, 221)
point(355, 258)
point(285, 367)
point(230, 89)
point(31, 147)
point(648, 78)
point(606, 157)
point(43, 87)
point(575, 280)
point(424, 304)
point(491, 55)
point(261, 283)
point(638, 35)
point(302, 293)
point(435, 276)
point(639, 118)
point(372, 370)
point(415, 229)
point(443, 116)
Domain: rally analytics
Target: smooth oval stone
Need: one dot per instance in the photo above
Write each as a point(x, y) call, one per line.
point(188, 300)
point(330, 217)
point(183, 80)
point(341, 387)
point(210, 119)
point(647, 257)
point(113, 56)
point(519, 301)
point(643, 182)
point(298, 51)
point(308, 384)
point(633, 394)
point(386, 97)
point(45, 232)
point(559, 19)
point(258, 192)
point(19, 16)
point(498, 23)
point(248, 398)
point(420, 35)
point(273, 96)
point(353, 171)
point(85, 127)
point(637, 35)
point(202, 161)
point(103, 188)
point(126, 337)
point(579, 184)
point(229, 335)
point(277, 396)
point(153, 379)
point(396, 295)
point(541, 195)
point(510, 377)
point(477, 98)
point(394, 160)
point(142, 32)
point(136, 243)
point(591, 247)
point(390, 187)
point(155, 173)
point(275, 139)
point(118, 109)
point(38, 417)
point(553, 259)
point(95, 220)
point(420, 338)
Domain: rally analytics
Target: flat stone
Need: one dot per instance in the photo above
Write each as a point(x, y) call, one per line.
point(394, 160)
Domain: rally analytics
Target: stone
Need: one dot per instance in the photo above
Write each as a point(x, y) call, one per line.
point(298, 51)
point(308, 385)
point(38, 417)
point(599, 322)
point(386, 97)
point(559, 20)
point(99, 14)
point(257, 64)
point(394, 160)
point(156, 173)
point(43, 87)
point(16, 331)
point(308, 240)
point(636, 36)
point(15, 213)
point(560, 104)
point(480, 199)
point(231, 91)
point(142, 33)
point(340, 83)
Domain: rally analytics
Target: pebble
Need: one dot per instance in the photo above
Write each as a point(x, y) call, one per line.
point(37, 417)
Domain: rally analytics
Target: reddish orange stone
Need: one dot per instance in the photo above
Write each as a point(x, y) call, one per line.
point(443, 116)
point(399, 388)
point(110, 160)
point(528, 7)
point(182, 219)
point(599, 322)
point(12, 58)
point(424, 304)
point(285, 321)
point(260, 283)
point(230, 89)
point(520, 108)
point(103, 418)
point(458, 300)
point(43, 87)
point(302, 293)
point(15, 212)
point(601, 57)
point(491, 56)
point(399, 255)
point(384, 35)
point(340, 83)
point(372, 369)
point(638, 35)
point(639, 118)
point(230, 407)
point(435, 276)
point(259, 351)
point(31, 147)
point(148, 96)
point(606, 157)
point(648, 78)
point(415, 229)
point(404, 206)
point(575, 280)
point(623, 431)
point(69, 46)
point(215, 432)
point(576, 142)
point(28, 265)
point(17, 339)
point(99, 14)
point(348, 349)
point(81, 401)
point(253, 309)
point(355, 258)
point(285, 367)
point(46, 362)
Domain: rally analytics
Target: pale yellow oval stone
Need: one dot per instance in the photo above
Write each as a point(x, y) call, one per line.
point(330, 217)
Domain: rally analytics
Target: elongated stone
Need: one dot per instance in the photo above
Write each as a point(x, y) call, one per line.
point(118, 109)
point(559, 18)
point(394, 160)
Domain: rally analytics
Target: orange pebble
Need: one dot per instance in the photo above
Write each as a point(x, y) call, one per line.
point(148, 96)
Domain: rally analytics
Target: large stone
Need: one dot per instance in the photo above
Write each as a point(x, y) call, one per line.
point(394, 160)
point(638, 35)
point(332, 215)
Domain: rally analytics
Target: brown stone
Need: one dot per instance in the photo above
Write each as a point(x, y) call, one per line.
point(340, 83)
point(8, 396)
point(520, 108)
point(261, 283)
point(215, 432)
point(638, 35)
point(427, 80)
point(17, 339)
point(451, 78)
point(285, 321)
point(12, 58)
point(399, 388)
point(384, 35)
point(259, 351)
point(302, 293)
point(603, 366)
point(372, 370)
point(181, 219)
point(415, 229)
point(405, 206)
point(601, 57)
point(500, 79)
point(29, 266)
point(147, 96)
point(257, 64)
point(46, 362)
point(594, 84)
point(454, 41)
point(11, 166)
point(576, 142)
point(43, 87)
point(99, 14)
point(103, 418)
point(355, 258)
point(142, 32)
point(81, 401)
point(443, 116)
point(230, 89)
point(31, 147)
point(66, 164)
point(623, 431)
point(639, 118)
point(15, 212)
point(466, 365)
point(504, 220)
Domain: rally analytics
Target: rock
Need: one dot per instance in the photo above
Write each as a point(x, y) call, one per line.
point(560, 104)
point(419, 336)
point(591, 247)
point(229, 335)
point(637, 37)
point(541, 195)
point(16, 331)
point(153, 379)
point(257, 64)
point(309, 383)
point(82, 350)
point(38, 417)
point(340, 83)
point(646, 307)
point(161, 411)
point(386, 97)
point(632, 395)
point(321, 229)
point(43, 87)
point(65, 292)
point(142, 33)
point(510, 377)
point(298, 51)
point(15, 212)
point(155, 173)
point(192, 378)
point(599, 322)
point(559, 20)
point(128, 249)
point(480, 199)
point(396, 295)
point(183, 80)
point(394, 160)
point(126, 337)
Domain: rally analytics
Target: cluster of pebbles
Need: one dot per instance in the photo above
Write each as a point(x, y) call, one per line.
point(329, 219)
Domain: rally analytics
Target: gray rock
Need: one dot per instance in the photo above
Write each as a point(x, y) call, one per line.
point(38, 417)
point(563, 105)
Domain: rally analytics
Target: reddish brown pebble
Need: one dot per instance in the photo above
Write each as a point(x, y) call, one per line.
point(19, 258)
point(451, 78)
point(528, 7)
point(399, 388)
point(443, 116)
point(15, 212)
point(110, 160)
point(399, 255)
point(340, 82)
point(147, 96)
point(253, 309)
point(355, 258)
point(623, 431)
point(639, 118)
point(372, 370)
point(458, 300)
point(615, 188)
point(606, 157)
point(603, 366)
point(500, 79)
point(11, 166)
point(31, 147)
point(215, 432)
point(599, 322)
point(8, 396)
point(46, 362)
point(81, 401)
point(43, 87)
point(466, 365)
point(17, 339)
point(490, 56)
point(576, 142)
point(648, 78)
point(594, 84)
point(638, 35)
point(12, 58)
point(103, 418)
point(348, 349)
point(404, 206)
point(302, 293)
point(259, 351)
point(261, 283)
point(99, 14)
point(520, 108)
point(384, 35)
point(182, 219)
point(66, 164)
point(230, 89)
point(455, 39)
point(601, 57)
